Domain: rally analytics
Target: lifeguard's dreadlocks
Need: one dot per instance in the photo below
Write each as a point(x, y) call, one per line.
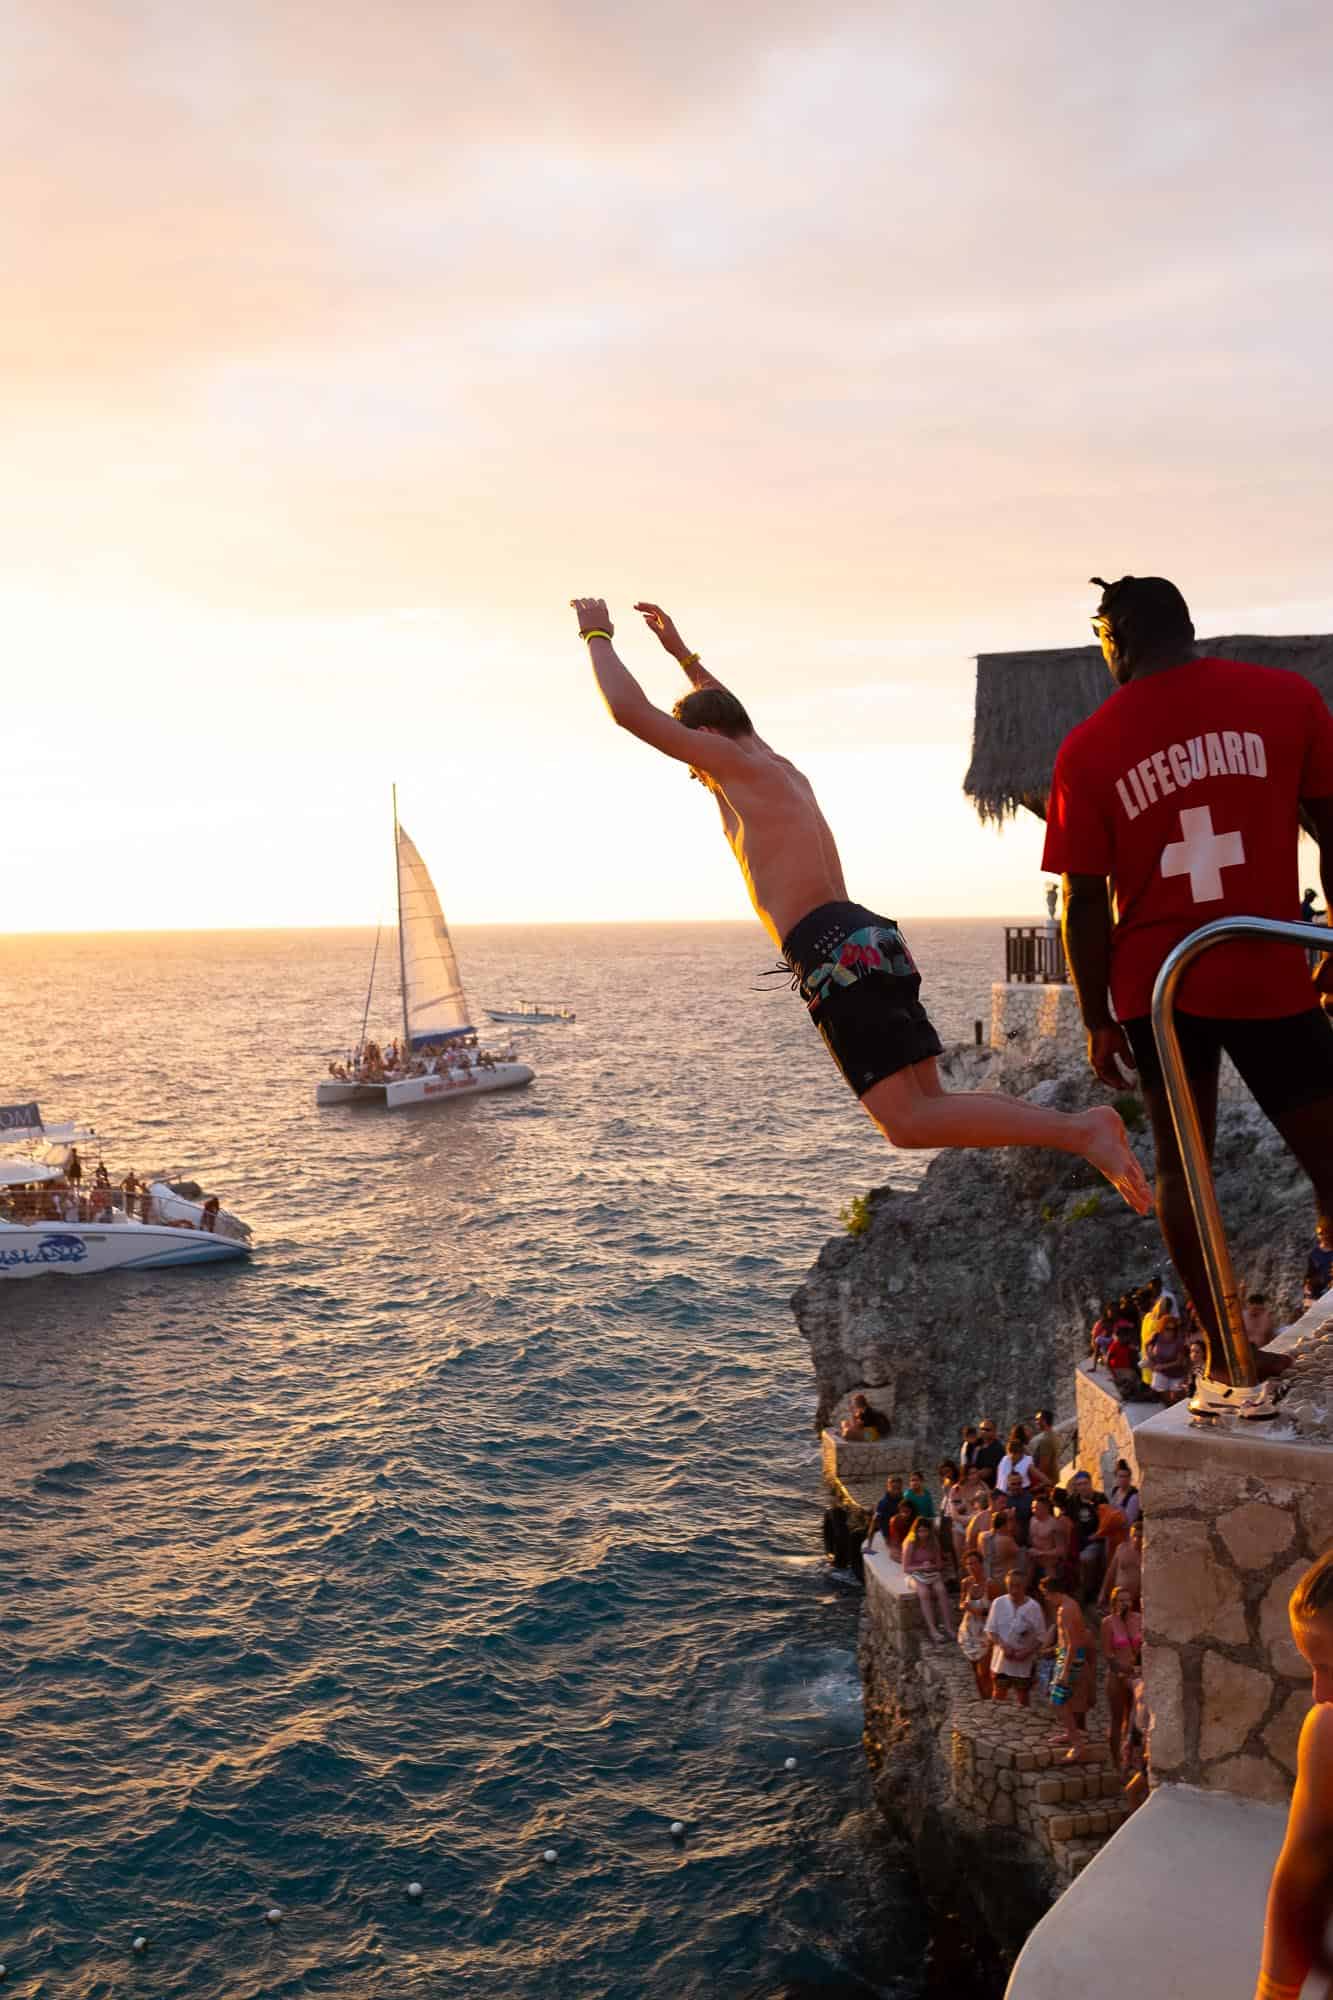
point(1148, 618)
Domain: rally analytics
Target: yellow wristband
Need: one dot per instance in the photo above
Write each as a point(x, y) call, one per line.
point(1273, 1989)
point(594, 634)
point(690, 660)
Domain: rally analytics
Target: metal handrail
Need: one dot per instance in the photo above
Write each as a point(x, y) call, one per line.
point(1236, 1348)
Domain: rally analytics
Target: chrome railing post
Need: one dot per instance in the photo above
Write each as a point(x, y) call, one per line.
point(1236, 1348)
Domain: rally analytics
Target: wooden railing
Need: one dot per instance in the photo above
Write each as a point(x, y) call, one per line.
point(1034, 955)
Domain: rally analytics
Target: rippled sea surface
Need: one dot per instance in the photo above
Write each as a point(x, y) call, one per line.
point(479, 1515)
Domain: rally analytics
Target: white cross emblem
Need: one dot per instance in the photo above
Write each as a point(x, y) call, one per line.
point(1202, 854)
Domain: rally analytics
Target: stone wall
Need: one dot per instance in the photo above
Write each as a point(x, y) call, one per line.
point(1232, 1522)
point(1036, 1021)
point(861, 1467)
point(1106, 1426)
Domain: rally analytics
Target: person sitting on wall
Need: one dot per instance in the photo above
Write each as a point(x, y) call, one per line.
point(899, 1528)
point(918, 1497)
point(1016, 1626)
point(890, 1500)
point(1186, 789)
point(864, 1425)
point(1123, 1362)
point(1167, 1355)
point(1099, 1339)
point(923, 1567)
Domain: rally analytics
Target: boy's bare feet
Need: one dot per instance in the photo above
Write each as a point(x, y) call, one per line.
point(1108, 1149)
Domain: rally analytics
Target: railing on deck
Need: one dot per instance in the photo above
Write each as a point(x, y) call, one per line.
point(1034, 955)
point(1236, 1348)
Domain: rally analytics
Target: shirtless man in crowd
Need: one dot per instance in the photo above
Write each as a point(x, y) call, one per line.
point(854, 971)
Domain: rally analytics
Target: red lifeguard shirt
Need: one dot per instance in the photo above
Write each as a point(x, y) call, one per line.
point(1183, 788)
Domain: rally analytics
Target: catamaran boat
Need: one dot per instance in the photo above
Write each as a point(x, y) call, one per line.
point(438, 1059)
point(533, 1013)
point(52, 1220)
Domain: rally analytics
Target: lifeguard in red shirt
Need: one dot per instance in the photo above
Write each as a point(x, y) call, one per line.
point(1185, 788)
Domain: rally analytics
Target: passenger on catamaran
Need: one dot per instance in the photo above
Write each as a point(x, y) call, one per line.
point(853, 968)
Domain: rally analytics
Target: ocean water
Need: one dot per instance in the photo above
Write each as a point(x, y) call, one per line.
point(478, 1515)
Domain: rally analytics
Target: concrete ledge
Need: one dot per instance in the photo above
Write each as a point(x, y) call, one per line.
point(1170, 1442)
point(1172, 1907)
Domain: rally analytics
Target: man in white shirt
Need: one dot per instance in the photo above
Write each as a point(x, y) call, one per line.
point(1018, 1465)
point(1016, 1628)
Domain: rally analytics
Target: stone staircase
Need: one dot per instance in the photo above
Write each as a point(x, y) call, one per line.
point(1006, 1772)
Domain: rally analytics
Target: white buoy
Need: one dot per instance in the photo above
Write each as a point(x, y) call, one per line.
point(273, 1916)
point(139, 1944)
point(549, 1855)
point(414, 1891)
point(790, 1764)
point(677, 1829)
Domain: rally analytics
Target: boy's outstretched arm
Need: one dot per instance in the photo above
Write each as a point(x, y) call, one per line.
point(631, 708)
point(663, 627)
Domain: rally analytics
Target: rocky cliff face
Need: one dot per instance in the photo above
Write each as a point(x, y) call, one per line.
point(973, 1293)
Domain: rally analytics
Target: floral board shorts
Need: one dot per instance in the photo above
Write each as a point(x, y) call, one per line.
point(860, 984)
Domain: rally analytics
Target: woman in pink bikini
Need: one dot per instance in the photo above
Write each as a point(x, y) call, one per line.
point(1121, 1645)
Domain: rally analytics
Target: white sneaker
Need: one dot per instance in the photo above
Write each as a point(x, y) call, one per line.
point(1224, 1399)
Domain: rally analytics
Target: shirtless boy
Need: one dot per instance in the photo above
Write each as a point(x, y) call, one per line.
point(854, 970)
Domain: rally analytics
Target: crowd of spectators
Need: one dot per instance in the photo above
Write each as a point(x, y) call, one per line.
point(1037, 1582)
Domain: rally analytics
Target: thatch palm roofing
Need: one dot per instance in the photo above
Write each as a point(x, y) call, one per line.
point(1027, 703)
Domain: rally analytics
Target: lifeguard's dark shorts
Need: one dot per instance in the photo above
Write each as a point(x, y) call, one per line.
point(860, 983)
point(1285, 1062)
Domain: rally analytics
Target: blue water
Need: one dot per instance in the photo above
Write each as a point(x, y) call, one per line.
point(477, 1516)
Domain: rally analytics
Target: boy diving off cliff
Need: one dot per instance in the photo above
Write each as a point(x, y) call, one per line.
point(853, 968)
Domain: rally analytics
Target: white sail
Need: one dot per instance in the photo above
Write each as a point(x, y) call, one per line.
point(434, 1004)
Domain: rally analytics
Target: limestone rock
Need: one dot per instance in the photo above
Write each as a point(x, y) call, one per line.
point(1187, 1593)
point(1317, 1517)
point(1283, 1732)
point(1249, 1778)
point(1234, 1700)
point(943, 1300)
point(1255, 1533)
point(1166, 1700)
point(1275, 1627)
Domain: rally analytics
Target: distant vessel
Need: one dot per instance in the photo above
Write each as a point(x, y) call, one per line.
point(438, 1058)
point(51, 1220)
point(533, 1012)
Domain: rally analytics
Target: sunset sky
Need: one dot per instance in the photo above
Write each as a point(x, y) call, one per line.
point(342, 345)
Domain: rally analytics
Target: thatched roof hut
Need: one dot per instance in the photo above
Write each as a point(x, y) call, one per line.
point(1028, 702)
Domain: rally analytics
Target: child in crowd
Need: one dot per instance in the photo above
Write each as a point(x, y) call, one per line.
point(1300, 1900)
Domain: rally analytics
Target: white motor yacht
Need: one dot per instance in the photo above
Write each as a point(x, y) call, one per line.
point(52, 1220)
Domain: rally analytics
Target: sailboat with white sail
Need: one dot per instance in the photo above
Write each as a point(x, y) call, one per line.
point(438, 1059)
